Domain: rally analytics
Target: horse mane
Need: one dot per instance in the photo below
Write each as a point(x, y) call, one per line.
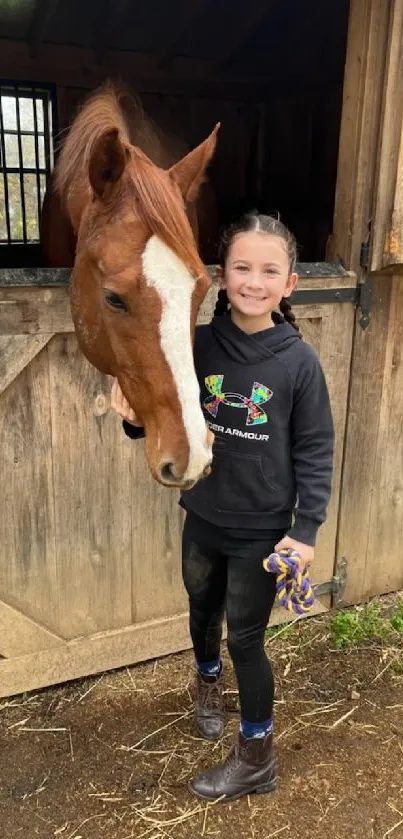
point(158, 203)
point(100, 112)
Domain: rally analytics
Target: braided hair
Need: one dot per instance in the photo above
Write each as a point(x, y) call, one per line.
point(221, 307)
point(254, 221)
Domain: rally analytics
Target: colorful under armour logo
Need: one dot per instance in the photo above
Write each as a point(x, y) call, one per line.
point(260, 394)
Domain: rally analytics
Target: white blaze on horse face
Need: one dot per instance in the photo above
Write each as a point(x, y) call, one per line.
point(168, 275)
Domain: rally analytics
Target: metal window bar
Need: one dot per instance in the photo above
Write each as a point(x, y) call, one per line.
point(21, 172)
point(26, 132)
point(35, 94)
point(5, 182)
point(48, 133)
point(14, 170)
point(38, 177)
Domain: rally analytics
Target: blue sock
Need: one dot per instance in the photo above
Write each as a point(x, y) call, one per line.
point(256, 729)
point(210, 668)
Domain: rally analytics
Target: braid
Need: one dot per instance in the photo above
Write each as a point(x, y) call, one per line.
point(221, 307)
point(288, 314)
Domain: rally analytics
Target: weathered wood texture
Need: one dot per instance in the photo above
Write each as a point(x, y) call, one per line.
point(360, 124)
point(102, 651)
point(387, 250)
point(371, 511)
point(370, 187)
point(90, 573)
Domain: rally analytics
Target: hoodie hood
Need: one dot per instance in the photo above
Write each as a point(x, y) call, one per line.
point(251, 349)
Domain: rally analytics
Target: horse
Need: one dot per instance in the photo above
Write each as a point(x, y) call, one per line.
point(120, 221)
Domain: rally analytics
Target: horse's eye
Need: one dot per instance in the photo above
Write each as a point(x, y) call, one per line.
point(115, 301)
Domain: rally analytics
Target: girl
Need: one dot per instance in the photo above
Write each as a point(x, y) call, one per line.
point(265, 398)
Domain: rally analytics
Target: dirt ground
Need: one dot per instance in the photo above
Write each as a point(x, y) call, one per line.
point(110, 757)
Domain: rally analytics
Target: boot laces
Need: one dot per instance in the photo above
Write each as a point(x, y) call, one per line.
point(211, 695)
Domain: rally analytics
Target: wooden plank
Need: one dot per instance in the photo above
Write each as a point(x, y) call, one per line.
point(387, 246)
point(384, 566)
point(359, 475)
point(94, 493)
point(102, 652)
point(37, 277)
point(28, 578)
point(329, 331)
point(29, 311)
point(156, 549)
point(16, 351)
point(19, 635)
point(69, 58)
point(366, 50)
point(393, 249)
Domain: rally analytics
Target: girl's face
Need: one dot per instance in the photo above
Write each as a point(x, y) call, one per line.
point(256, 277)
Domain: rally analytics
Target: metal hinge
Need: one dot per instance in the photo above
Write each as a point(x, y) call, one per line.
point(336, 586)
point(364, 301)
point(364, 291)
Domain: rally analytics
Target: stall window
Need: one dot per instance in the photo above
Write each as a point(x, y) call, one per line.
point(26, 159)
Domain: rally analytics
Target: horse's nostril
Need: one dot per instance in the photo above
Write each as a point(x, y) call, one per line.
point(167, 472)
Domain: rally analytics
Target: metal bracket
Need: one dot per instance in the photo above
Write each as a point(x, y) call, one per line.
point(360, 296)
point(336, 586)
point(305, 296)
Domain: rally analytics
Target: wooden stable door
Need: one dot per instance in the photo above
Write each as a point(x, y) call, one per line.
point(369, 211)
point(90, 565)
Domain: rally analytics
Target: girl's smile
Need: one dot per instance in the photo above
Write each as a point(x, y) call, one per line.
point(256, 277)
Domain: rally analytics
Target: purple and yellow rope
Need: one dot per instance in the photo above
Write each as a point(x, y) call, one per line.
point(293, 587)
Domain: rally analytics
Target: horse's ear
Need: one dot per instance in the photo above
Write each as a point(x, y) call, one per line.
point(108, 160)
point(189, 173)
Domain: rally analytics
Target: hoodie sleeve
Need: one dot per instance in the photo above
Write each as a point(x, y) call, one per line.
point(135, 432)
point(312, 448)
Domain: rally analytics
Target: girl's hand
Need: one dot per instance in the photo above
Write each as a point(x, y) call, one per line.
point(120, 404)
point(306, 552)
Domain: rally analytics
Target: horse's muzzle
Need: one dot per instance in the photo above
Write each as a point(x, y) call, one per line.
point(167, 476)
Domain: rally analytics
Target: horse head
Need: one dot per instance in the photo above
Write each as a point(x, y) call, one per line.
point(137, 285)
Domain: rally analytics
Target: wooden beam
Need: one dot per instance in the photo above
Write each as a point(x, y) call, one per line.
point(58, 58)
point(106, 651)
point(20, 635)
point(33, 311)
point(241, 26)
point(42, 14)
point(192, 10)
point(387, 227)
point(16, 352)
point(77, 67)
point(114, 18)
point(359, 132)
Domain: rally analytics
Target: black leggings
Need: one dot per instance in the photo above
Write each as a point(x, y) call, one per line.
point(225, 574)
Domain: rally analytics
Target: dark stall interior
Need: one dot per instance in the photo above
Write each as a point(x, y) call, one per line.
point(271, 72)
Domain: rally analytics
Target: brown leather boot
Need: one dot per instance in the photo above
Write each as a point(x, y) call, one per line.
point(249, 767)
point(209, 710)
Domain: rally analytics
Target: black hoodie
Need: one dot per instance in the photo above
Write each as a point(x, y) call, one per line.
point(265, 398)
